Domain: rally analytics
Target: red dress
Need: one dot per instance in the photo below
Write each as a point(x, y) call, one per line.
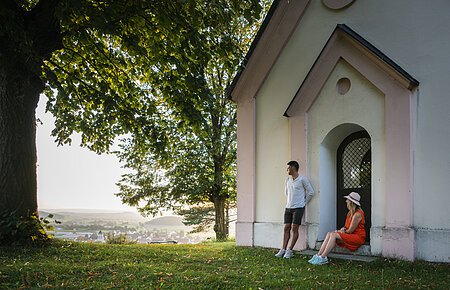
point(354, 240)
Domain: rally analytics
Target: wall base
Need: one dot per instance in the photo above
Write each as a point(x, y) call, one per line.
point(376, 240)
point(244, 234)
point(433, 245)
point(270, 235)
point(398, 243)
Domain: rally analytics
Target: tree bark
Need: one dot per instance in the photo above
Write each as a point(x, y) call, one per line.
point(19, 95)
point(220, 220)
point(227, 219)
point(27, 38)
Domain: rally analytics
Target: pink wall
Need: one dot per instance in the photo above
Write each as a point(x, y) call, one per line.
point(398, 234)
point(277, 33)
point(246, 172)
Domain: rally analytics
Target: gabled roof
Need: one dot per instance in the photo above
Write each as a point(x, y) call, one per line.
point(347, 30)
point(255, 42)
point(276, 30)
point(274, 33)
point(344, 34)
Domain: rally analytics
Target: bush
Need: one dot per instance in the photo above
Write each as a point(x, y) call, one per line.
point(111, 238)
point(19, 230)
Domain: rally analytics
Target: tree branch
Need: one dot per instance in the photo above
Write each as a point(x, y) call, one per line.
point(77, 78)
point(86, 60)
point(44, 28)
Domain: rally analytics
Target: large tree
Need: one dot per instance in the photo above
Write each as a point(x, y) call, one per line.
point(107, 67)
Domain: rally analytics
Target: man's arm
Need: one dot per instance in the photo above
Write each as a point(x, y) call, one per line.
point(286, 187)
point(308, 189)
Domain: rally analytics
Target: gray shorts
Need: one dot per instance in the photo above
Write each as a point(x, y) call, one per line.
point(293, 215)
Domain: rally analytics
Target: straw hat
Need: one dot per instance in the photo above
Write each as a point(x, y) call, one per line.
point(354, 197)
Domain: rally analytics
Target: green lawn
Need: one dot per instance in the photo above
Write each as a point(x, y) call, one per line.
point(202, 266)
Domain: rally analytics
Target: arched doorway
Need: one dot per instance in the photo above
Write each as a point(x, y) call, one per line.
point(354, 171)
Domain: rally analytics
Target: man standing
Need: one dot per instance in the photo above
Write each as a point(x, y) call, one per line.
point(299, 192)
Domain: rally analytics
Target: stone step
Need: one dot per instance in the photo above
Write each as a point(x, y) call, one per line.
point(334, 255)
point(364, 250)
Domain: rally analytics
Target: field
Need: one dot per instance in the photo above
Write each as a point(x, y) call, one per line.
point(208, 265)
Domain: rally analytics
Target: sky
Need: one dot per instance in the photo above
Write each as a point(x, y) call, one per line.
point(72, 177)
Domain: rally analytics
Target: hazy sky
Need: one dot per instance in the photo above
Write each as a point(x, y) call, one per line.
point(71, 176)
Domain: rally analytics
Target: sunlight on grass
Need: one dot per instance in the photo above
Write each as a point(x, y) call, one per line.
point(208, 265)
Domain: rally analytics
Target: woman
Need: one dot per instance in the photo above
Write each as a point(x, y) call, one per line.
point(351, 236)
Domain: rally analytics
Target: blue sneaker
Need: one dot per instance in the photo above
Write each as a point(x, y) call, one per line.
point(313, 259)
point(320, 261)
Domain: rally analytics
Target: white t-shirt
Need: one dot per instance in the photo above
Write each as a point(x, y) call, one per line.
point(296, 191)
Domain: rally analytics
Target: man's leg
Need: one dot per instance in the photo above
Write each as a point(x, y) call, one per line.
point(288, 216)
point(288, 219)
point(294, 238)
point(286, 235)
point(289, 253)
point(296, 221)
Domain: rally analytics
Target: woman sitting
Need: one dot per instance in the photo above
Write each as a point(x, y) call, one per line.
point(351, 236)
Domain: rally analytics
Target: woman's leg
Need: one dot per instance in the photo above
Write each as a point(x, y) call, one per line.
point(331, 244)
point(324, 244)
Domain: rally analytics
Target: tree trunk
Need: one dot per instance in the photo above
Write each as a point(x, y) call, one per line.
point(227, 219)
point(19, 95)
point(220, 226)
point(27, 38)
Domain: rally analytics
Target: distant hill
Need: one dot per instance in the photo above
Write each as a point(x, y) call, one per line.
point(45, 214)
point(167, 221)
point(88, 215)
point(75, 215)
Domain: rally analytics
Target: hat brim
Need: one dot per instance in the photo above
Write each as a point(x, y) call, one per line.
point(352, 200)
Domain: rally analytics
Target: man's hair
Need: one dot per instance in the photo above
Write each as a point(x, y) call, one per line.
point(294, 164)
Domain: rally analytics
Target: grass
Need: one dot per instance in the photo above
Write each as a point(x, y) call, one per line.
point(211, 265)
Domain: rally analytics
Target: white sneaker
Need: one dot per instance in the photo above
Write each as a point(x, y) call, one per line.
point(280, 253)
point(289, 254)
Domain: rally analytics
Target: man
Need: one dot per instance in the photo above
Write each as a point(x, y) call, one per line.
point(299, 192)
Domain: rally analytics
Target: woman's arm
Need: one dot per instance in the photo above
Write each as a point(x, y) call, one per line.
point(356, 219)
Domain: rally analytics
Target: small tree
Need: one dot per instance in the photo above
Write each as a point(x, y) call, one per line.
point(194, 162)
point(112, 238)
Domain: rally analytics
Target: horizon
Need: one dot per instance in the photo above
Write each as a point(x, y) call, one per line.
point(100, 210)
point(93, 210)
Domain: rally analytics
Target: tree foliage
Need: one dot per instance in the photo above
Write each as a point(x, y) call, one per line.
point(30, 230)
point(120, 59)
point(201, 217)
point(153, 71)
